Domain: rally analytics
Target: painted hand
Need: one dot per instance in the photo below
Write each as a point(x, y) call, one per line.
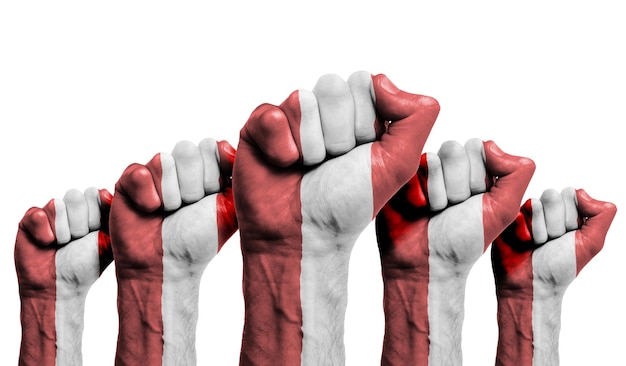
point(431, 233)
point(307, 180)
point(60, 251)
point(169, 218)
point(534, 261)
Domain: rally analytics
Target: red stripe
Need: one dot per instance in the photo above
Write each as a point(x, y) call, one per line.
point(402, 230)
point(269, 212)
point(139, 267)
point(512, 265)
point(37, 278)
point(226, 217)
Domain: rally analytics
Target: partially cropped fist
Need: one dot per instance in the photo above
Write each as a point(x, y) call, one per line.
point(431, 233)
point(169, 218)
point(60, 251)
point(534, 261)
point(310, 175)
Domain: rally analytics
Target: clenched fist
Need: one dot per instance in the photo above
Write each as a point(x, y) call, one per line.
point(534, 261)
point(431, 233)
point(60, 251)
point(169, 218)
point(310, 175)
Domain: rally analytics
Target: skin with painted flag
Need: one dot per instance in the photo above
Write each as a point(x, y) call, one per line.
point(61, 249)
point(310, 175)
point(534, 261)
point(431, 233)
point(169, 218)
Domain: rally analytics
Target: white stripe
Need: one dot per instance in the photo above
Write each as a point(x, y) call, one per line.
point(190, 241)
point(61, 223)
point(77, 267)
point(325, 255)
point(311, 136)
point(446, 286)
point(554, 267)
point(169, 183)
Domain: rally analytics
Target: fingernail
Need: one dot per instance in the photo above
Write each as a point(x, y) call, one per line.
point(385, 84)
point(495, 149)
point(228, 149)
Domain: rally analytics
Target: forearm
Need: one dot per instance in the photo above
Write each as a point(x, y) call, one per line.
point(423, 319)
point(295, 308)
point(52, 328)
point(70, 314)
point(180, 317)
point(324, 296)
point(140, 339)
point(272, 333)
point(528, 330)
point(38, 345)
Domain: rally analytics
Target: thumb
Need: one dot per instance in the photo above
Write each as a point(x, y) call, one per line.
point(511, 175)
point(396, 157)
point(597, 216)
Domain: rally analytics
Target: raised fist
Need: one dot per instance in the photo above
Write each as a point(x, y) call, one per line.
point(307, 180)
point(60, 251)
point(431, 233)
point(169, 218)
point(534, 261)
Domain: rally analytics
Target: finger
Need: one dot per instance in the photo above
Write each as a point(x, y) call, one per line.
point(138, 184)
point(336, 108)
point(210, 163)
point(105, 252)
point(554, 213)
point(189, 171)
point(540, 233)
point(105, 198)
point(456, 171)
point(77, 213)
point(302, 112)
point(435, 183)
point(568, 195)
point(415, 189)
point(475, 151)
point(61, 223)
point(592, 234)
point(37, 224)
point(226, 158)
point(268, 130)
point(92, 198)
point(501, 203)
point(170, 190)
point(360, 84)
point(396, 156)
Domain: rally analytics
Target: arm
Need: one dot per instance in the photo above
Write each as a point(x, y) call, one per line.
point(431, 233)
point(307, 180)
point(534, 261)
point(169, 218)
point(60, 251)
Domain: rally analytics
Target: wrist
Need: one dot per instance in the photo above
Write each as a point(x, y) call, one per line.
point(70, 314)
point(423, 317)
point(38, 344)
point(140, 339)
point(529, 327)
point(180, 317)
point(295, 303)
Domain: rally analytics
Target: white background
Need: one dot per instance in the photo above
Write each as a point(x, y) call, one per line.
point(87, 88)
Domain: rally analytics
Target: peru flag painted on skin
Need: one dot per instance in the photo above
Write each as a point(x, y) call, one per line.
point(307, 181)
point(60, 251)
point(431, 233)
point(169, 218)
point(534, 261)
